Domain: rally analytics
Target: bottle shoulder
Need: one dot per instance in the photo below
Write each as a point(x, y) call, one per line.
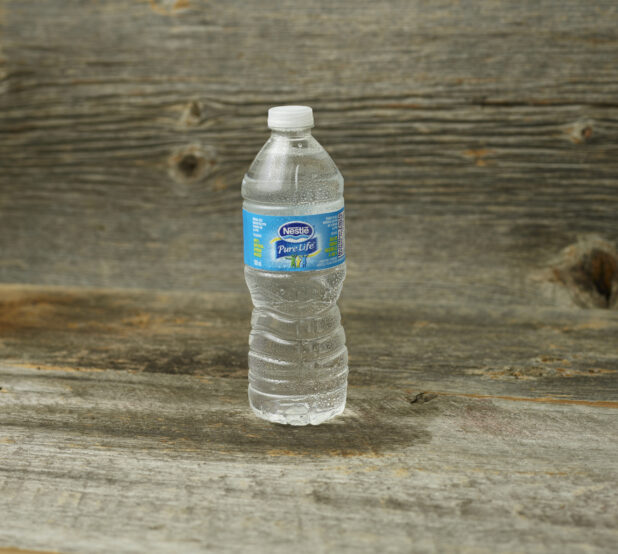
point(292, 171)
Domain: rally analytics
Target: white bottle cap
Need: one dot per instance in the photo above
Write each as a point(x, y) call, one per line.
point(290, 117)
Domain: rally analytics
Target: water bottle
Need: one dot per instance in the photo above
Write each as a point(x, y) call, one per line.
point(294, 251)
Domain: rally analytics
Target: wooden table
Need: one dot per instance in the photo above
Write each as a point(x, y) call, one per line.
point(125, 426)
point(479, 146)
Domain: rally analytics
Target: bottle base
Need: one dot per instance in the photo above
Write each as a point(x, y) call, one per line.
point(298, 410)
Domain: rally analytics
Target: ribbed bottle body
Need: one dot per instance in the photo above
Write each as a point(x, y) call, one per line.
point(298, 361)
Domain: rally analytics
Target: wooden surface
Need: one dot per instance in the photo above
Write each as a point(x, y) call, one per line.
point(479, 143)
point(477, 139)
point(110, 461)
point(471, 430)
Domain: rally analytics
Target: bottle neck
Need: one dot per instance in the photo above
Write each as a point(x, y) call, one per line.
point(299, 133)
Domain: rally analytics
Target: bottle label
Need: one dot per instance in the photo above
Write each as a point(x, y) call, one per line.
point(288, 243)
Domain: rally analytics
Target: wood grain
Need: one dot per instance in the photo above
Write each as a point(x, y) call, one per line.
point(512, 351)
point(466, 429)
point(10, 550)
point(134, 462)
point(477, 140)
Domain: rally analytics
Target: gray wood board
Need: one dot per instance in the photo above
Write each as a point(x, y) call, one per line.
point(468, 429)
point(551, 353)
point(477, 139)
point(106, 461)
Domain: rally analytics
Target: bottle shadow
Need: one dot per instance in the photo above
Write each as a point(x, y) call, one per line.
point(367, 427)
point(188, 418)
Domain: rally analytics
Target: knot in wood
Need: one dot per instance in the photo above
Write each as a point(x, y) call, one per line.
point(191, 164)
point(596, 270)
point(192, 114)
point(589, 270)
point(423, 397)
point(581, 131)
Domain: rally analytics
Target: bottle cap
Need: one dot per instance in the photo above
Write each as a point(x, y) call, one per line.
point(290, 117)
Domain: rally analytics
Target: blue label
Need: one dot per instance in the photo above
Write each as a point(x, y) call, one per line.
point(294, 243)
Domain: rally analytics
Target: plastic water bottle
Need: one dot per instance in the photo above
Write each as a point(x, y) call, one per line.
point(294, 248)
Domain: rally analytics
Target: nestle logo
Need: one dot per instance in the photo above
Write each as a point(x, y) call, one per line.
point(296, 231)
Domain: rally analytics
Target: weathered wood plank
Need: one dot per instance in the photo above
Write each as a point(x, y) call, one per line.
point(131, 462)
point(477, 140)
point(11, 550)
point(509, 351)
point(467, 429)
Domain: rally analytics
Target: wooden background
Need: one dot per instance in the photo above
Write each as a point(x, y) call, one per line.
point(479, 144)
point(477, 139)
